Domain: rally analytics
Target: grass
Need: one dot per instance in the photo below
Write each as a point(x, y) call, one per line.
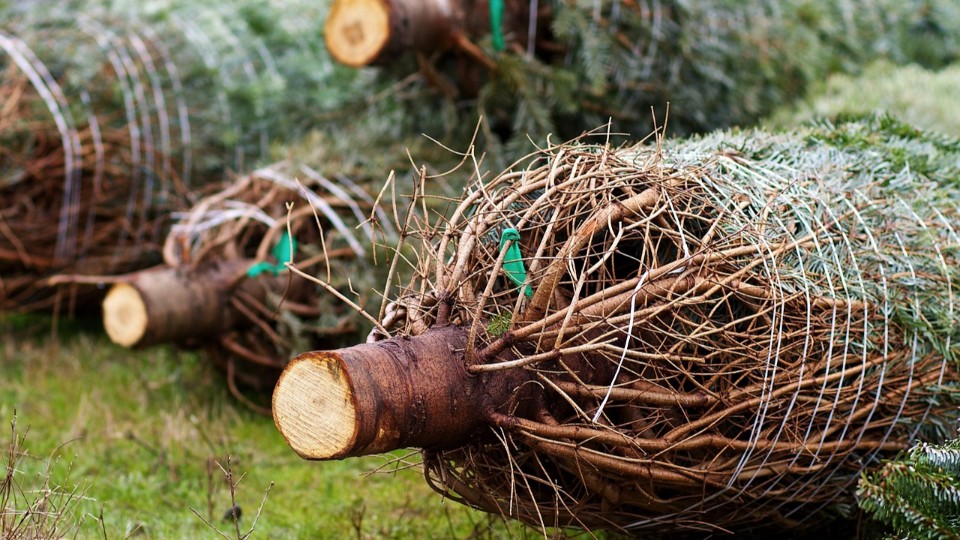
point(140, 436)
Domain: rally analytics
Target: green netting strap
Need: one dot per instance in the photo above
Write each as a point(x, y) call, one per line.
point(283, 252)
point(496, 24)
point(513, 261)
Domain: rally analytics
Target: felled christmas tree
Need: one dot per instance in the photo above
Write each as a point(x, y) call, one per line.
point(541, 67)
point(718, 333)
point(113, 115)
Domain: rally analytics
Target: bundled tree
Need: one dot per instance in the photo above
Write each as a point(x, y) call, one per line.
point(716, 334)
point(112, 115)
point(225, 286)
point(562, 67)
point(918, 494)
point(918, 96)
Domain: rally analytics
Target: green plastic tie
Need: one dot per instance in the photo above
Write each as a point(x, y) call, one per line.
point(283, 252)
point(513, 260)
point(496, 24)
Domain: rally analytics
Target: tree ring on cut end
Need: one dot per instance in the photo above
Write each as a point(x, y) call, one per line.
point(125, 316)
point(357, 31)
point(313, 407)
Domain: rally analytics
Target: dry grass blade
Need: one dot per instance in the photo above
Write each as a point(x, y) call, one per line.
point(44, 507)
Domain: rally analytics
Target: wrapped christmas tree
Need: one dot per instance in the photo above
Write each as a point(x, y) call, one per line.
point(541, 67)
point(113, 115)
point(713, 334)
point(919, 96)
point(225, 285)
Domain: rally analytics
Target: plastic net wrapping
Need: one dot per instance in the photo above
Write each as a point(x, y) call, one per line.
point(718, 63)
point(111, 117)
point(719, 334)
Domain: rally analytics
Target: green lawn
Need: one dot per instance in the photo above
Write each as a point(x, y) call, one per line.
point(139, 434)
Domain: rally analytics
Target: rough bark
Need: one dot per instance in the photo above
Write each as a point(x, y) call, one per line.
point(398, 393)
point(172, 305)
point(364, 32)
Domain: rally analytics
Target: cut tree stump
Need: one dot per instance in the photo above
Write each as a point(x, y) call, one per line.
point(172, 305)
point(397, 393)
point(364, 32)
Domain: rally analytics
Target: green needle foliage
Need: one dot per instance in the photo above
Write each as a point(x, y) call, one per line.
point(117, 113)
point(717, 62)
point(917, 495)
point(922, 97)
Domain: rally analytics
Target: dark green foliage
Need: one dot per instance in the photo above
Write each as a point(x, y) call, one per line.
point(917, 495)
point(717, 62)
point(720, 62)
point(253, 74)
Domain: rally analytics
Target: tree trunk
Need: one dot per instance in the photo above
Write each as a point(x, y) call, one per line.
point(364, 32)
point(172, 305)
point(398, 393)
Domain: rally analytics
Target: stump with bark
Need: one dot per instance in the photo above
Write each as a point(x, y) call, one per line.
point(363, 32)
point(714, 334)
point(172, 305)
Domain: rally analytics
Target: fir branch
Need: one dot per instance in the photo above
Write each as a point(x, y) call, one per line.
point(917, 495)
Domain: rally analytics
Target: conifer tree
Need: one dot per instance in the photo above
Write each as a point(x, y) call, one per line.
point(115, 112)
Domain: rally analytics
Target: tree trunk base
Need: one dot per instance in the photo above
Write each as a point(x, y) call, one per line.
point(364, 32)
point(171, 305)
point(397, 393)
